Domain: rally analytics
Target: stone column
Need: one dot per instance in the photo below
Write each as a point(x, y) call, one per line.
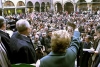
point(40, 7)
point(89, 5)
point(33, 8)
point(15, 11)
point(45, 8)
point(74, 7)
point(63, 7)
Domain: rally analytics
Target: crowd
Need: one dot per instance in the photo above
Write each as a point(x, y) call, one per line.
point(50, 39)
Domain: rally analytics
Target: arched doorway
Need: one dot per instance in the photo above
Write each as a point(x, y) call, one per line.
point(69, 7)
point(42, 7)
point(96, 5)
point(9, 8)
point(47, 6)
point(58, 7)
point(20, 7)
point(30, 7)
point(37, 7)
point(83, 5)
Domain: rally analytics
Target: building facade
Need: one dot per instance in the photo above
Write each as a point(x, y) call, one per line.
point(38, 5)
point(22, 6)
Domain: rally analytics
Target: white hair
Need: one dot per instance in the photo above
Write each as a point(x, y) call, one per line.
point(22, 25)
point(36, 36)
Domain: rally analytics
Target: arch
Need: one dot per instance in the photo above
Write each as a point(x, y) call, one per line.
point(42, 7)
point(29, 4)
point(83, 5)
point(47, 6)
point(30, 7)
point(20, 8)
point(58, 7)
point(11, 9)
point(37, 6)
point(96, 5)
point(95, 0)
point(9, 3)
point(68, 6)
point(20, 3)
point(82, 1)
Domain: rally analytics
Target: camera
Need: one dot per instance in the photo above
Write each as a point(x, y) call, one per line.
point(39, 47)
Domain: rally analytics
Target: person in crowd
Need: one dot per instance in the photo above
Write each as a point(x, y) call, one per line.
point(5, 37)
point(61, 55)
point(48, 41)
point(9, 31)
point(23, 50)
point(96, 54)
point(87, 44)
point(43, 42)
point(43, 39)
point(38, 47)
point(36, 42)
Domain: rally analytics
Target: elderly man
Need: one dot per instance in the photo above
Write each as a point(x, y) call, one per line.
point(22, 48)
point(5, 36)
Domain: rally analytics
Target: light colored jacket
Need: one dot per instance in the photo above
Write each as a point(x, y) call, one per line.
point(4, 62)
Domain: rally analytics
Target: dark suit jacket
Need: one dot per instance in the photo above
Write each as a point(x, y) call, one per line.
point(97, 58)
point(22, 49)
point(66, 59)
point(6, 41)
point(80, 54)
point(86, 55)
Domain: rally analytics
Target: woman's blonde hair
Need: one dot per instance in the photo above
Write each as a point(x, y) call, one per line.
point(60, 40)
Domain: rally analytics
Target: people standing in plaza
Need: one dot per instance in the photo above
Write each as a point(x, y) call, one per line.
point(87, 44)
point(48, 41)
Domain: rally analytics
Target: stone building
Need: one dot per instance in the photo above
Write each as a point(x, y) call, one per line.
point(22, 6)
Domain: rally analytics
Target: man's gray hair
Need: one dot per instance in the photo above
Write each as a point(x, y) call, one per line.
point(22, 25)
point(2, 21)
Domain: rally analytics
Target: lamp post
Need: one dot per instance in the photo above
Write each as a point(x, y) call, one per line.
point(3, 7)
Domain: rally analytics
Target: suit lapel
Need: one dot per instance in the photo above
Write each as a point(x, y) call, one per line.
point(4, 33)
point(26, 39)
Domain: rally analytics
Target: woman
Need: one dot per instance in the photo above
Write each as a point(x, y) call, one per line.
point(61, 55)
